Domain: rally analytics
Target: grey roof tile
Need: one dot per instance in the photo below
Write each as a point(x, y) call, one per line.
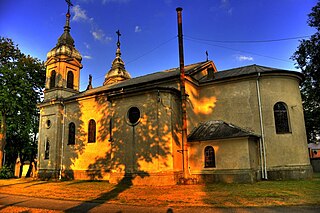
point(174, 72)
point(216, 129)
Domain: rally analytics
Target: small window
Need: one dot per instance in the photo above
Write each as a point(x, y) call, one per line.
point(92, 131)
point(48, 124)
point(110, 129)
point(47, 150)
point(70, 80)
point(52, 79)
point(133, 115)
point(72, 134)
point(209, 157)
point(281, 118)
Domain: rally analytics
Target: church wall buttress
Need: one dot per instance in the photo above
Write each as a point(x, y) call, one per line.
point(50, 138)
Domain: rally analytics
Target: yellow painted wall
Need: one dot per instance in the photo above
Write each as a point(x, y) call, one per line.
point(234, 154)
point(150, 146)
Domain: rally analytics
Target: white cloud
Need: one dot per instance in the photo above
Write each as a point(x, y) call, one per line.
point(97, 33)
point(137, 29)
point(87, 45)
point(87, 57)
point(79, 13)
point(226, 6)
point(244, 58)
point(100, 36)
point(115, 1)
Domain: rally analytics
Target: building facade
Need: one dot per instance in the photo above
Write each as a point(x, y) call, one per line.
point(243, 124)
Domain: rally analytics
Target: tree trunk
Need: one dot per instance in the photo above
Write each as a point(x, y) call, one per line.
point(30, 169)
point(3, 129)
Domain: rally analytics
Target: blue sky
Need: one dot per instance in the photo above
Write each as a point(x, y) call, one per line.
point(149, 31)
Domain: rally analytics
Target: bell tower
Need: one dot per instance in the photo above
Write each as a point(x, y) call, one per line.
point(63, 66)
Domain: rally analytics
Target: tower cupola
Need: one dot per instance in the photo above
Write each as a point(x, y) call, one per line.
point(65, 45)
point(117, 72)
point(63, 65)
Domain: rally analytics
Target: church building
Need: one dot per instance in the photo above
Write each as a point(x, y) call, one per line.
point(242, 125)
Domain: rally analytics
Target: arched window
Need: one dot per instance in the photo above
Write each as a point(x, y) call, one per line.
point(70, 80)
point(209, 157)
point(92, 131)
point(72, 134)
point(281, 118)
point(52, 79)
point(47, 150)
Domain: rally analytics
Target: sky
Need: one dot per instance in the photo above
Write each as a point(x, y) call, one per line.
point(235, 33)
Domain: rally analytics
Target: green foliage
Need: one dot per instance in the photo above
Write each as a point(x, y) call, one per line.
point(307, 58)
point(6, 173)
point(22, 78)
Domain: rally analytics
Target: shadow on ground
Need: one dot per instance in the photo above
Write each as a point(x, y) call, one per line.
point(123, 185)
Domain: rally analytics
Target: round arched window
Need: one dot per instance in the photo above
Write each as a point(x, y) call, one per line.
point(48, 124)
point(134, 115)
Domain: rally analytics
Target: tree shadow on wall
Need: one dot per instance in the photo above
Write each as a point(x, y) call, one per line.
point(73, 150)
point(132, 151)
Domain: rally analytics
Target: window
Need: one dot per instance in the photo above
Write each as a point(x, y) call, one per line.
point(48, 124)
point(47, 150)
point(70, 80)
point(209, 157)
point(92, 131)
point(281, 118)
point(52, 79)
point(133, 115)
point(72, 134)
point(110, 129)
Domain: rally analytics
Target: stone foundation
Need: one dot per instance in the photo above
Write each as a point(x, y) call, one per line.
point(48, 174)
point(290, 173)
point(138, 178)
point(226, 176)
point(172, 178)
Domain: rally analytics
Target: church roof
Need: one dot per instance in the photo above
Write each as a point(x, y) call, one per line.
point(160, 77)
point(247, 70)
point(224, 74)
point(216, 129)
point(157, 76)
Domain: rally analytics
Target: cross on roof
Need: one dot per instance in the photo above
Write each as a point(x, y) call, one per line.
point(119, 34)
point(69, 5)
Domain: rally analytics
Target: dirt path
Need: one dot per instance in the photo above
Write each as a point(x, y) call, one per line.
point(9, 201)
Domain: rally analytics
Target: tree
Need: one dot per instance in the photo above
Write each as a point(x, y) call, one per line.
point(21, 81)
point(307, 58)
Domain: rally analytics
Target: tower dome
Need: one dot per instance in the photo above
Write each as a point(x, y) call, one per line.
point(65, 45)
point(117, 72)
point(63, 65)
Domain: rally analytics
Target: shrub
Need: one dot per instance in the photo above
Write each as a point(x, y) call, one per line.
point(6, 173)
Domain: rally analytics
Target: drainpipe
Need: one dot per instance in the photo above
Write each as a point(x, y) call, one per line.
point(62, 142)
point(39, 141)
point(261, 141)
point(183, 94)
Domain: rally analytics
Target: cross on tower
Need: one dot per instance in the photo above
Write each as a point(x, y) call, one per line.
point(119, 34)
point(69, 5)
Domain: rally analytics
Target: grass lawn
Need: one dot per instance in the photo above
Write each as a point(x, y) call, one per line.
point(264, 193)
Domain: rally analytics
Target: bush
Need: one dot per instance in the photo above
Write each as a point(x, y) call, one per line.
point(6, 173)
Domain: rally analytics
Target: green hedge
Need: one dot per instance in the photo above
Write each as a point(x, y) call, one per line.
point(6, 172)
